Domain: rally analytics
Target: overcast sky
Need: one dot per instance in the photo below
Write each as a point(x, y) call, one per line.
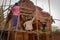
point(54, 6)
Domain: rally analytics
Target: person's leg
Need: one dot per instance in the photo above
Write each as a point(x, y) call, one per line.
point(15, 19)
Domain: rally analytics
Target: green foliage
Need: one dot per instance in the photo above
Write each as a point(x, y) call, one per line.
point(44, 30)
point(1, 15)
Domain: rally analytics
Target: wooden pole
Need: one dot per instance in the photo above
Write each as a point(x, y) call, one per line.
point(9, 29)
point(16, 30)
point(37, 25)
point(2, 29)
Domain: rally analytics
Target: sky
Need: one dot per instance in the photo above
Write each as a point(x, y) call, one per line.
point(54, 8)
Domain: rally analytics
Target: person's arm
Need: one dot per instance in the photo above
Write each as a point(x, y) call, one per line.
point(33, 19)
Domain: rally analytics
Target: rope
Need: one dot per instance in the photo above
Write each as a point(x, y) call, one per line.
point(57, 19)
point(49, 7)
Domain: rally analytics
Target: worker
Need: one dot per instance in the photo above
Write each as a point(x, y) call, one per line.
point(44, 27)
point(28, 24)
point(16, 12)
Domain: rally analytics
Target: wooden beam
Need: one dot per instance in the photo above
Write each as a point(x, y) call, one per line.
point(26, 8)
point(26, 11)
point(26, 14)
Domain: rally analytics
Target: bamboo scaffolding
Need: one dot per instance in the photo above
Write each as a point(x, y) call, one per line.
point(38, 32)
point(9, 30)
point(2, 29)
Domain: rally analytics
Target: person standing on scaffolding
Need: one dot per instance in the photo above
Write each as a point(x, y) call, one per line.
point(16, 12)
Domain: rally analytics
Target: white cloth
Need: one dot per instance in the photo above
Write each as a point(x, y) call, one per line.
point(28, 25)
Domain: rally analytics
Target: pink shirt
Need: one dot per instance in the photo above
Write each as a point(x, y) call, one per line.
point(16, 10)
